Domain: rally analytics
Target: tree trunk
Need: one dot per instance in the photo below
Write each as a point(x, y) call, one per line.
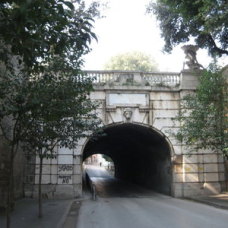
point(40, 212)
point(10, 198)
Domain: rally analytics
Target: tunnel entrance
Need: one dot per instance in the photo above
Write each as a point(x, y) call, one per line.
point(102, 161)
point(141, 155)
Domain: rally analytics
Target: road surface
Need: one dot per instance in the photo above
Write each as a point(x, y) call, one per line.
point(141, 208)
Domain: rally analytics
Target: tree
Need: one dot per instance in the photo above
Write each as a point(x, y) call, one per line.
point(203, 115)
point(37, 30)
point(107, 158)
point(59, 114)
point(48, 110)
point(205, 20)
point(41, 48)
point(131, 61)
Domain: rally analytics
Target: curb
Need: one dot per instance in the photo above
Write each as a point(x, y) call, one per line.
point(72, 216)
point(62, 220)
point(217, 205)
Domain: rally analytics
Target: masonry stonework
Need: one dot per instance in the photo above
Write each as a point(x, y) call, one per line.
point(151, 100)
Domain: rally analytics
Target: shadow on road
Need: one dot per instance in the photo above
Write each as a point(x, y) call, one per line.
point(108, 186)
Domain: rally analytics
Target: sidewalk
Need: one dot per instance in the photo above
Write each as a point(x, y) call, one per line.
point(64, 213)
point(220, 200)
point(25, 214)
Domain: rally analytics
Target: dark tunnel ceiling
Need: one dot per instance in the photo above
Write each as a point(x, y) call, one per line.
point(120, 140)
point(140, 154)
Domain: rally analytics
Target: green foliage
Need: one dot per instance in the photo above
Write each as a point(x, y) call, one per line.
point(204, 115)
point(42, 91)
point(37, 30)
point(205, 20)
point(44, 97)
point(131, 61)
point(107, 158)
point(41, 86)
point(53, 110)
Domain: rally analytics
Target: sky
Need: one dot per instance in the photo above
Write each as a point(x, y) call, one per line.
point(126, 27)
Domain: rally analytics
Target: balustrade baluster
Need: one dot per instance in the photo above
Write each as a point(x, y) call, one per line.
point(163, 79)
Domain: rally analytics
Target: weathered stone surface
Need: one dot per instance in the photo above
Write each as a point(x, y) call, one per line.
point(64, 191)
point(77, 169)
point(189, 80)
point(149, 100)
point(65, 159)
point(54, 179)
point(126, 99)
point(211, 168)
point(54, 169)
point(165, 114)
point(177, 149)
point(210, 158)
point(192, 158)
point(77, 179)
point(165, 104)
point(211, 177)
point(164, 96)
point(190, 168)
point(98, 95)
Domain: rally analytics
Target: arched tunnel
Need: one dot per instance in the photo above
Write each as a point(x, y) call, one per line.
point(141, 155)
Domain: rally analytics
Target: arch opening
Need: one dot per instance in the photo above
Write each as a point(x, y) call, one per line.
point(141, 155)
point(102, 161)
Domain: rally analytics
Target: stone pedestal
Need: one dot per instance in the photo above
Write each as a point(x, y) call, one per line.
point(189, 80)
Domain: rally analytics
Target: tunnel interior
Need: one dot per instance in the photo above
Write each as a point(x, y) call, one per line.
point(140, 154)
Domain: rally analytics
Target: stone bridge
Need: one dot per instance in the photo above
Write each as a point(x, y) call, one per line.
point(137, 110)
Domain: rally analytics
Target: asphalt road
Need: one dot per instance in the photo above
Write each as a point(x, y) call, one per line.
point(108, 186)
point(141, 208)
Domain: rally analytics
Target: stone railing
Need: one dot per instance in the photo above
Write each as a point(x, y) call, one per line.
point(132, 78)
point(102, 77)
point(162, 78)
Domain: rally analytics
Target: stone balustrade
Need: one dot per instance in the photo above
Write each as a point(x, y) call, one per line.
point(102, 77)
point(171, 79)
point(162, 78)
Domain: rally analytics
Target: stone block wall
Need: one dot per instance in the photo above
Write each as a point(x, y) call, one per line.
point(61, 176)
point(198, 174)
point(193, 173)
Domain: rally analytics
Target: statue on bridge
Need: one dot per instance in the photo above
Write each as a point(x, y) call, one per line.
point(190, 56)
